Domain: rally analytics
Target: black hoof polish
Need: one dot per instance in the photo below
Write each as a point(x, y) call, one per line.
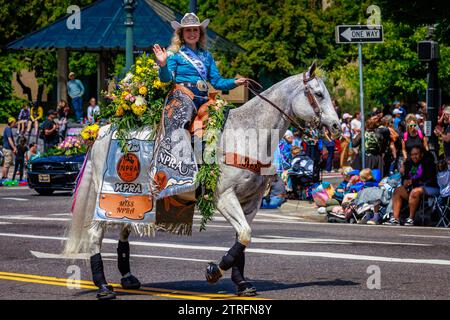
point(106, 292)
point(212, 273)
point(246, 289)
point(130, 282)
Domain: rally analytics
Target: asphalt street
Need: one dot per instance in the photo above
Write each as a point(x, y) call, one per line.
point(290, 257)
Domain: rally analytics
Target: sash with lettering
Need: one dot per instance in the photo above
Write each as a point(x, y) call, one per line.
point(125, 196)
point(195, 60)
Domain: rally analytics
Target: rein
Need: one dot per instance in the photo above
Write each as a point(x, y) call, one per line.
point(251, 84)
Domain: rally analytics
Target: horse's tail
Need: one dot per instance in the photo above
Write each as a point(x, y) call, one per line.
point(77, 233)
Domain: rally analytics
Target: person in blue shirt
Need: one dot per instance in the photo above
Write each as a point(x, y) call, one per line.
point(75, 89)
point(188, 63)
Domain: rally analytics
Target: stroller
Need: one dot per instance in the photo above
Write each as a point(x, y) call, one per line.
point(303, 174)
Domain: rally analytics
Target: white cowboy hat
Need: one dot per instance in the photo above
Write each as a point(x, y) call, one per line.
point(189, 20)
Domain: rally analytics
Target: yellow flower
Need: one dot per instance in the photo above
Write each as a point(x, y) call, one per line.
point(138, 70)
point(138, 110)
point(124, 94)
point(157, 84)
point(143, 90)
point(119, 111)
point(125, 106)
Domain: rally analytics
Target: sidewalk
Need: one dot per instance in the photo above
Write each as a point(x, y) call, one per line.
point(304, 210)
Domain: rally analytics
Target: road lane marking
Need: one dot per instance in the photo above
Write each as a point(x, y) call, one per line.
point(281, 239)
point(425, 236)
point(31, 218)
point(315, 254)
point(150, 291)
point(279, 216)
point(1, 222)
point(45, 255)
point(16, 199)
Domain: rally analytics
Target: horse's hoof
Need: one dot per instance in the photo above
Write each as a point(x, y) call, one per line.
point(130, 282)
point(245, 289)
point(212, 273)
point(106, 292)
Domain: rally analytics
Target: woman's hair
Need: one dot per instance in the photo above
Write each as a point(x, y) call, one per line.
point(295, 150)
point(366, 175)
point(178, 40)
point(442, 165)
point(31, 145)
point(410, 117)
point(386, 120)
point(372, 123)
point(62, 101)
point(22, 141)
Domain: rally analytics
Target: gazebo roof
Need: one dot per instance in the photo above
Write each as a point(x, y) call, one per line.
point(102, 28)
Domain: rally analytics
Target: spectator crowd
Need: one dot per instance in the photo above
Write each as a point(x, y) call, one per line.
point(397, 159)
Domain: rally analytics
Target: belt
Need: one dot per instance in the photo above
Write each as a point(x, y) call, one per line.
point(200, 85)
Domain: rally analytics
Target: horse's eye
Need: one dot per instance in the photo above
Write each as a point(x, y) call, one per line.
point(319, 94)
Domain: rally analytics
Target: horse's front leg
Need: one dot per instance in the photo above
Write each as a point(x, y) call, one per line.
point(105, 291)
point(128, 281)
point(229, 206)
point(244, 287)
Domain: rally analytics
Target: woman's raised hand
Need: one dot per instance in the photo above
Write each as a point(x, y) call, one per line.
point(160, 54)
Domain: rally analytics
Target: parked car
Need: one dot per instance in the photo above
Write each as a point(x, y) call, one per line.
point(47, 174)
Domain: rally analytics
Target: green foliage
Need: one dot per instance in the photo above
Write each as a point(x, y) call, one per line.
point(209, 171)
point(282, 38)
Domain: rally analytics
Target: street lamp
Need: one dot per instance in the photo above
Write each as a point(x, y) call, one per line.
point(428, 51)
point(129, 6)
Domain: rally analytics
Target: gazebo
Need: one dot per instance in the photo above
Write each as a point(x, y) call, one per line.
point(102, 30)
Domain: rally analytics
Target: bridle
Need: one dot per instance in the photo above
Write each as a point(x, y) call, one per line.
point(254, 86)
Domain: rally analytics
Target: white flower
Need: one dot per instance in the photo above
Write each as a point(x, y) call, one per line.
point(140, 101)
point(128, 77)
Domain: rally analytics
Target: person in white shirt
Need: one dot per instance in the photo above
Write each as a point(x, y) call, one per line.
point(356, 123)
point(345, 140)
point(93, 111)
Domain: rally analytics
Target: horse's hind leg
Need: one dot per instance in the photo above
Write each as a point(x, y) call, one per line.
point(105, 291)
point(128, 281)
point(229, 206)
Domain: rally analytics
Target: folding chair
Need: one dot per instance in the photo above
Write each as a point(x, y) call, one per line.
point(442, 206)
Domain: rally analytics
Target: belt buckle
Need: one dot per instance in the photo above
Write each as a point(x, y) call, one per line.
point(202, 86)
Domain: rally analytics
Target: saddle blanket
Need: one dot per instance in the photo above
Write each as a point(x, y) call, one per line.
point(125, 194)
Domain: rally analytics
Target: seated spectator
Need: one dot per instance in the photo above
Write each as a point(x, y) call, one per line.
point(443, 177)
point(36, 115)
point(63, 121)
point(22, 121)
point(366, 180)
point(276, 195)
point(93, 111)
point(413, 137)
point(343, 187)
point(418, 178)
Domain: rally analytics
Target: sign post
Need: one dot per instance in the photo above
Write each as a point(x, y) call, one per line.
point(360, 34)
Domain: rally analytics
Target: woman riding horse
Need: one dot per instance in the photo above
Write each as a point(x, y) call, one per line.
point(188, 63)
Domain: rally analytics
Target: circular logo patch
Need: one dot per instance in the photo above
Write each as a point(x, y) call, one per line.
point(128, 167)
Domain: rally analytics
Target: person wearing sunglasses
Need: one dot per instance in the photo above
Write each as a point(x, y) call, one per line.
point(413, 137)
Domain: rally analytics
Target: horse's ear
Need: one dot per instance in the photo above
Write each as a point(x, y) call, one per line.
point(312, 70)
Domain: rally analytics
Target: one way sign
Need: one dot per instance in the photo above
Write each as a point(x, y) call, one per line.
point(359, 34)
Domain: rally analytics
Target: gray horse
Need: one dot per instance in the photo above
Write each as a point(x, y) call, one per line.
point(239, 191)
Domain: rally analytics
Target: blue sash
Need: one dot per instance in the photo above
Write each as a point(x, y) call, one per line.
point(195, 60)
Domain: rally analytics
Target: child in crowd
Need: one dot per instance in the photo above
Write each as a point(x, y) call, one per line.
point(20, 158)
point(342, 188)
point(24, 117)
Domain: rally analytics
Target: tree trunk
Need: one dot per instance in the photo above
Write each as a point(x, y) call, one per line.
point(26, 90)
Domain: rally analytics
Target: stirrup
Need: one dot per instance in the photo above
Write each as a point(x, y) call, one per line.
point(245, 288)
point(130, 282)
point(106, 292)
point(212, 273)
